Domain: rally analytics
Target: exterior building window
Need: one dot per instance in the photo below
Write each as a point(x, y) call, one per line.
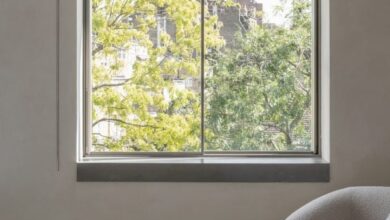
point(190, 77)
point(161, 26)
point(122, 54)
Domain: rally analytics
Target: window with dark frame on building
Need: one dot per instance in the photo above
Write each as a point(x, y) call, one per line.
point(201, 77)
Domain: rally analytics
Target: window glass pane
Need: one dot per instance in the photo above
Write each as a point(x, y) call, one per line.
point(146, 75)
point(259, 80)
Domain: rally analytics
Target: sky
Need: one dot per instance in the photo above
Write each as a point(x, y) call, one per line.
point(268, 8)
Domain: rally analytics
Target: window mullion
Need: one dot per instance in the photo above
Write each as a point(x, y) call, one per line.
point(202, 74)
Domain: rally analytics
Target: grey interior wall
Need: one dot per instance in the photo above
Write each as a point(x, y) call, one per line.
point(31, 188)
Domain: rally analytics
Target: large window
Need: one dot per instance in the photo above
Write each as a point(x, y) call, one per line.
point(201, 77)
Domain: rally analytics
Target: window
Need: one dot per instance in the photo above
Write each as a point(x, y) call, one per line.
point(209, 77)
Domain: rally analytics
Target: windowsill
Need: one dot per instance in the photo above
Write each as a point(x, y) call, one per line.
point(206, 169)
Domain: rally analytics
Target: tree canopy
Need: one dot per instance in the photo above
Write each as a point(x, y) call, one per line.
point(260, 89)
point(257, 91)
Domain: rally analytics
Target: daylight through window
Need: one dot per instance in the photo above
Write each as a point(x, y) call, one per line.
point(201, 76)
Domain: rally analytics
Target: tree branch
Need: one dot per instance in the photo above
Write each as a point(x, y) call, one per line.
point(120, 14)
point(125, 80)
point(123, 122)
point(134, 147)
point(101, 135)
point(110, 85)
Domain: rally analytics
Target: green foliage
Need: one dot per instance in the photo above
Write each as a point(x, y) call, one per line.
point(260, 89)
point(123, 24)
point(261, 84)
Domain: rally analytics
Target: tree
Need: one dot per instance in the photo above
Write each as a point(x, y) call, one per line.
point(151, 113)
point(259, 90)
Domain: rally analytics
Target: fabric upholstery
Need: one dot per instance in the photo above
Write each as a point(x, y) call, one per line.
point(353, 203)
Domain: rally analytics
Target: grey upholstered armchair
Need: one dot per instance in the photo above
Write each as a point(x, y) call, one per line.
point(354, 203)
